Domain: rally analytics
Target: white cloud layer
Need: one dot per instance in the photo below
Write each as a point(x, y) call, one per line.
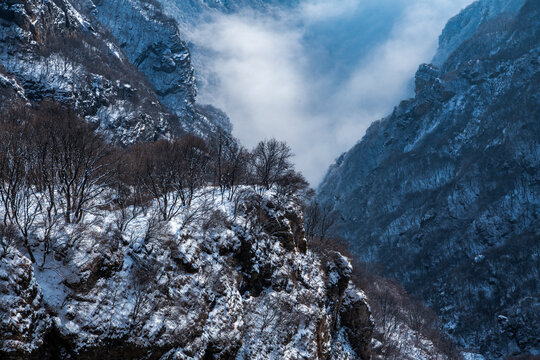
point(324, 10)
point(267, 80)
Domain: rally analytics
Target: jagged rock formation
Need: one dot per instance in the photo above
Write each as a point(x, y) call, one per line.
point(222, 280)
point(445, 192)
point(121, 64)
point(151, 40)
point(53, 51)
point(20, 298)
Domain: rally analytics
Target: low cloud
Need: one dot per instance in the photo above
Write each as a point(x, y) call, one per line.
point(264, 72)
point(324, 10)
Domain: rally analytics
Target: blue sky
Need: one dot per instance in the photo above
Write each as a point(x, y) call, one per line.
point(318, 73)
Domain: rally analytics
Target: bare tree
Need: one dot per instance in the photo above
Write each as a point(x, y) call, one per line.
point(76, 160)
point(229, 162)
point(8, 236)
point(46, 166)
point(18, 195)
point(270, 160)
point(194, 163)
point(129, 198)
point(156, 167)
point(320, 220)
point(172, 171)
point(289, 184)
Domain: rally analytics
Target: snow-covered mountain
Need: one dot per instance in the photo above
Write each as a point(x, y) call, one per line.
point(444, 193)
point(228, 277)
point(122, 65)
point(53, 52)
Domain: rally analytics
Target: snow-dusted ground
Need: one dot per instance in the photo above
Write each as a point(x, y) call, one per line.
point(228, 278)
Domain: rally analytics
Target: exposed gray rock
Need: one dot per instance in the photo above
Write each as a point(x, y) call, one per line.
point(121, 64)
point(152, 41)
point(54, 52)
point(24, 319)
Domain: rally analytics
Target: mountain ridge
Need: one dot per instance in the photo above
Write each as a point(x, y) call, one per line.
point(449, 181)
point(142, 90)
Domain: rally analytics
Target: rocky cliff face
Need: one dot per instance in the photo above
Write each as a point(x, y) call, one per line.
point(54, 52)
point(464, 25)
point(445, 192)
point(121, 64)
point(224, 280)
point(151, 40)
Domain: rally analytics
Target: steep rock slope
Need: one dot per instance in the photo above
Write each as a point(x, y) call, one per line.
point(151, 40)
point(221, 280)
point(463, 26)
point(53, 51)
point(10, 90)
point(445, 192)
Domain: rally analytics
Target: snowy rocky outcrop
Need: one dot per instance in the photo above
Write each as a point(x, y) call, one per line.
point(445, 191)
point(221, 280)
point(24, 320)
point(121, 64)
point(54, 52)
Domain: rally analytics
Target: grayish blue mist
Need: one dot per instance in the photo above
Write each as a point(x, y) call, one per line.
point(314, 73)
